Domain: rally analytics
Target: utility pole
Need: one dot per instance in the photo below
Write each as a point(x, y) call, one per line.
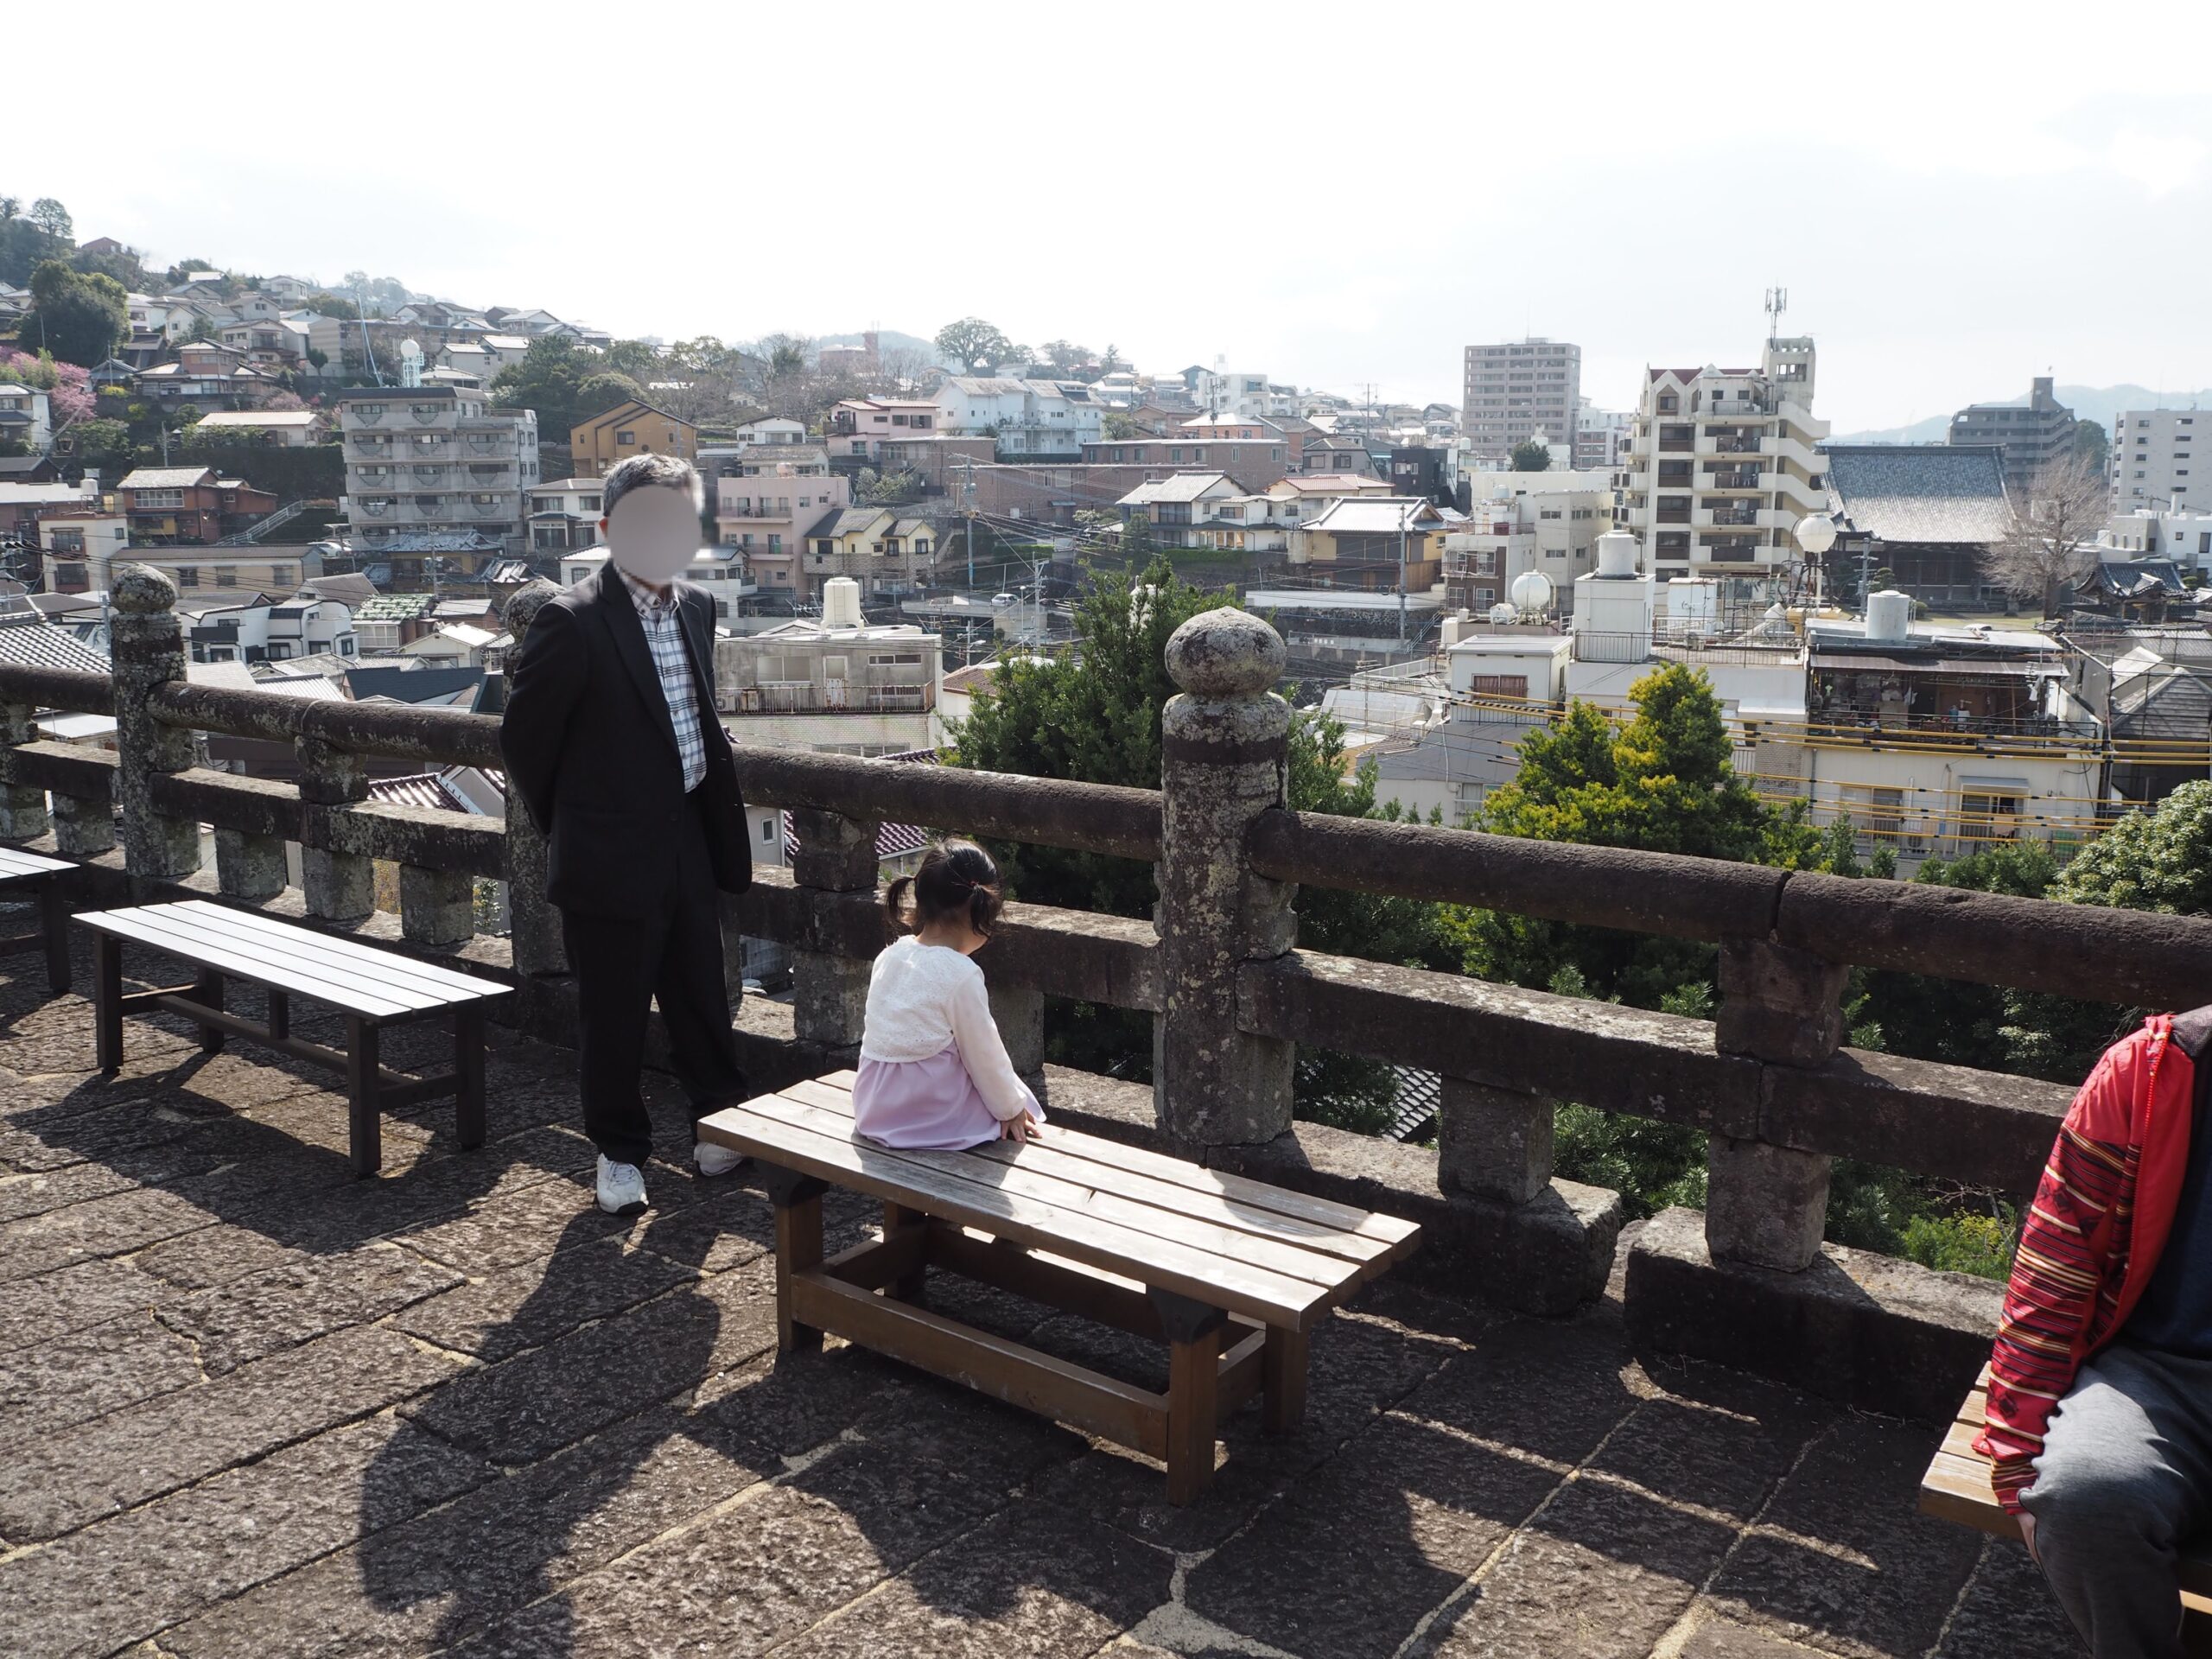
point(1402, 573)
point(968, 500)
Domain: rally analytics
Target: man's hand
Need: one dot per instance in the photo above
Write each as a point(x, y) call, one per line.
point(1022, 1128)
point(2028, 1536)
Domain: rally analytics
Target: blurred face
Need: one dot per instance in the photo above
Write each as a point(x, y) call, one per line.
point(652, 533)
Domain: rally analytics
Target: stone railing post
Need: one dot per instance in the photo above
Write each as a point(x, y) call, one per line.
point(829, 993)
point(1224, 756)
point(250, 865)
point(148, 652)
point(1765, 1204)
point(338, 887)
point(22, 806)
point(534, 940)
point(84, 825)
point(436, 906)
point(1492, 1143)
point(1019, 1012)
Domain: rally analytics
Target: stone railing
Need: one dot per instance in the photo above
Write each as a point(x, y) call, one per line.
point(1769, 1080)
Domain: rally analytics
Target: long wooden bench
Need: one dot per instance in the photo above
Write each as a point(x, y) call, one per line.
point(1957, 1488)
point(373, 987)
point(1232, 1273)
point(33, 872)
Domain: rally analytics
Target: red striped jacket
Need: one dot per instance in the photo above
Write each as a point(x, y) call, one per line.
point(2093, 1236)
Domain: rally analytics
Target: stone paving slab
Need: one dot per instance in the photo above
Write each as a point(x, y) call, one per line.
point(250, 1407)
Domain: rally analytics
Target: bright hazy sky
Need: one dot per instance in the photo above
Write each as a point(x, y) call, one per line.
point(1956, 196)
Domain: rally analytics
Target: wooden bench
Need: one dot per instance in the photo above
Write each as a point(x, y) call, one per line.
point(1232, 1273)
point(33, 873)
point(373, 987)
point(1957, 1487)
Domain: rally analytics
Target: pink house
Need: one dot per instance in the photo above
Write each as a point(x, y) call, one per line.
point(766, 516)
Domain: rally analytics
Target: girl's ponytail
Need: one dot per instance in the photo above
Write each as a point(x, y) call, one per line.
point(895, 902)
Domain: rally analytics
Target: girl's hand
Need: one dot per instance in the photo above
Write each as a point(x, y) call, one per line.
point(1023, 1127)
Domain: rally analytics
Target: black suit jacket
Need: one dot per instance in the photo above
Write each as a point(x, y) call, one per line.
point(591, 751)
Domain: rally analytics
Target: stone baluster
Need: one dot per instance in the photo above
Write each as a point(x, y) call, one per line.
point(1224, 757)
point(1765, 1204)
point(148, 653)
point(533, 925)
point(436, 906)
point(338, 887)
point(828, 992)
point(1019, 1012)
point(249, 864)
point(84, 825)
point(1493, 1143)
point(22, 806)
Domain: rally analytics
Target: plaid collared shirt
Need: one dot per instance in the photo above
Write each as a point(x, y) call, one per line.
point(662, 621)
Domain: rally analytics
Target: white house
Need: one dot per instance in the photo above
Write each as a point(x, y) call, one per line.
point(1029, 418)
point(27, 414)
point(259, 631)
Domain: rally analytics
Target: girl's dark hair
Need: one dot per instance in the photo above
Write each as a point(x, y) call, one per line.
point(956, 877)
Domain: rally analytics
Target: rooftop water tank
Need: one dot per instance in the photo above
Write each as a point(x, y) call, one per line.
point(1531, 591)
point(1617, 554)
point(840, 603)
point(1888, 616)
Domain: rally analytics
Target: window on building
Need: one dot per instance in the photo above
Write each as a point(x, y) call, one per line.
point(280, 575)
point(227, 575)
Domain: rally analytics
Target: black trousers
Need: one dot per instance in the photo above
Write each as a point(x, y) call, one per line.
point(624, 964)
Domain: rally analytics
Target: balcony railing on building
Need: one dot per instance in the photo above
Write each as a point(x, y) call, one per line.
point(1768, 1079)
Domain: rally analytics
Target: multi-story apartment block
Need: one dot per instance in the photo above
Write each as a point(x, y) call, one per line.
point(1516, 389)
point(1601, 437)
point(765, 509)
point(1545, 522)
point(437, 459)
point(2153, 461)
point(2032, 435)
point(1029, 419)
point(1721, 465)
point(837, 685)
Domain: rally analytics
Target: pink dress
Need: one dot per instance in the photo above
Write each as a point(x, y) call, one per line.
point(934, 1071)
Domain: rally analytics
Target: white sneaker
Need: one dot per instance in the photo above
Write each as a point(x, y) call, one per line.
point(712, 1160)
point(621, 1187)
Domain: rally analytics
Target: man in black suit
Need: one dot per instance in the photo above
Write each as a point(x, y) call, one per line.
point(613, 747)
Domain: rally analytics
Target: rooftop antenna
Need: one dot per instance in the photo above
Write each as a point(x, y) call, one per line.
point(410, 364)
point(1777, 301)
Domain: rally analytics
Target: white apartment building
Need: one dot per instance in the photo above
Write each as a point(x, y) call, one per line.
point(1721, 465)
point(1516, 388)
point(1545, 522)
point(2183, 534)
point(1029, 419)
point(2153, 457)
point(838, 684)
point(1242, 392)
point(259, 631)
point(1600, 440)
point(439, 459)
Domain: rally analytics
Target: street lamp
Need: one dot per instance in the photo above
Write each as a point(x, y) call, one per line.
point(1815, 533)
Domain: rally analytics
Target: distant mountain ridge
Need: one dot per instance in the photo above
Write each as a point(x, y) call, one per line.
point(2099, 403)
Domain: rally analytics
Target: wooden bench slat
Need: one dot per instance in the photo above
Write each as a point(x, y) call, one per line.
point(242, 964)
point(374, 961)
point(1177, 1171)
point(1048, 1158)
point(16, 863)
point(1268, 1297)
point(1044, 1184)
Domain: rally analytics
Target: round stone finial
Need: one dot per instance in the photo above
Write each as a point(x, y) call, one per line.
point(1225, 653)
point(524, 604)
point(141, 590)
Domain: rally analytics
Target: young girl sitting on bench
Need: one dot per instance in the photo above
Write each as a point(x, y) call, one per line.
point(934, 1071)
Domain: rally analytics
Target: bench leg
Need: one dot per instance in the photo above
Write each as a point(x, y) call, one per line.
point(1282, 1379)
point(364, 1110)
point(107, 1002)
point(207, 988)
point(895, 1216)
point(53, 915)
point(797, 1200)
point(1194, 1331)
point(469, 1072)
point(280, 1016)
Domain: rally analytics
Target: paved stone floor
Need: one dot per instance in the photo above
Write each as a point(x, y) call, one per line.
point(250, 1406)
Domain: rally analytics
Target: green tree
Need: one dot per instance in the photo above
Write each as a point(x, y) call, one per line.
point(78, 318)
point(1119, 428)
point(2093, 444)
point(564, 381)
point(634, 357)
point(331, 305)
point(1530, 456)
point(2158, 860)
point(102, 443)
point(973, 343)
point(53, 217)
